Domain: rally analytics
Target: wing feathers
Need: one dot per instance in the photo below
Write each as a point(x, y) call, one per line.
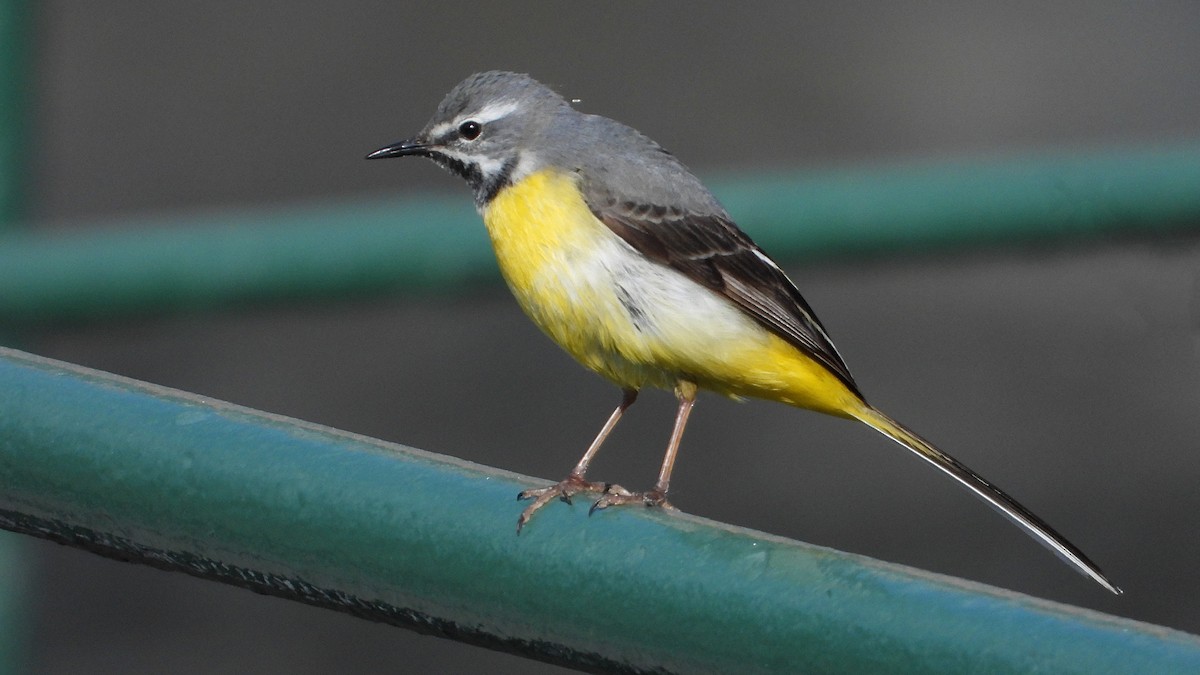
point(712, 251)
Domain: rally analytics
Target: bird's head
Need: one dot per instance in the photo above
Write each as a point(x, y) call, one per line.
point(485, 130)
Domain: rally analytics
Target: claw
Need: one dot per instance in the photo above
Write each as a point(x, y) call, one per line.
point(563, 490)
point(615, 495)
point(611, 494)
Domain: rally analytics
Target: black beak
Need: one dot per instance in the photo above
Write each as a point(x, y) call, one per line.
point(411, 147)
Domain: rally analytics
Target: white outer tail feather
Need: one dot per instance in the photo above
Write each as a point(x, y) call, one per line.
point(992, 495)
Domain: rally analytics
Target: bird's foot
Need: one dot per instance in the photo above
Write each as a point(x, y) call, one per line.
point(565, 489)
point(616, 495)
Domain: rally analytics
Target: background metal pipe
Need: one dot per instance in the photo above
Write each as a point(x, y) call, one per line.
point(334, 250)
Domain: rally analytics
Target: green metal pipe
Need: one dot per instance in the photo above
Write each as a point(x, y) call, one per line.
point(393, 534)
point(329, 250)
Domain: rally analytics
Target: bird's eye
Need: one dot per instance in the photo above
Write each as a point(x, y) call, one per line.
point(470, 130)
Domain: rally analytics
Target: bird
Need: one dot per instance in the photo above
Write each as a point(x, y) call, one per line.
point(628, 262)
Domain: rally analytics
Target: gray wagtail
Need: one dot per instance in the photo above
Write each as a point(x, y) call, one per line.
point(629, 263)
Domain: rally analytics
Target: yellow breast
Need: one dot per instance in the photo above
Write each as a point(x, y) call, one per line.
point(557, 259)
point(540, 227)
point(632, 320)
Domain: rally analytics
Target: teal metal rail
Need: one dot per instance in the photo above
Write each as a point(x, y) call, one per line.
point(393, 534)
point(227, 259)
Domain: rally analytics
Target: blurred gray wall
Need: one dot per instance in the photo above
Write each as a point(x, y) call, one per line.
point(1067, 376)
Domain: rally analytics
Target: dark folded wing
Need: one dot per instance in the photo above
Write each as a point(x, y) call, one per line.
point(711, 250)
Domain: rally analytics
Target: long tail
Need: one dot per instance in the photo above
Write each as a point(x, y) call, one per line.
point(994, 496)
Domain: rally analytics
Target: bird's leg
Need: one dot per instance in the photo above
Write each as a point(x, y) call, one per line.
point(616, 495)
point(575, 483)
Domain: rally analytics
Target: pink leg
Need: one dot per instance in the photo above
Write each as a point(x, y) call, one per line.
point(574, 483)
point(616, 495)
